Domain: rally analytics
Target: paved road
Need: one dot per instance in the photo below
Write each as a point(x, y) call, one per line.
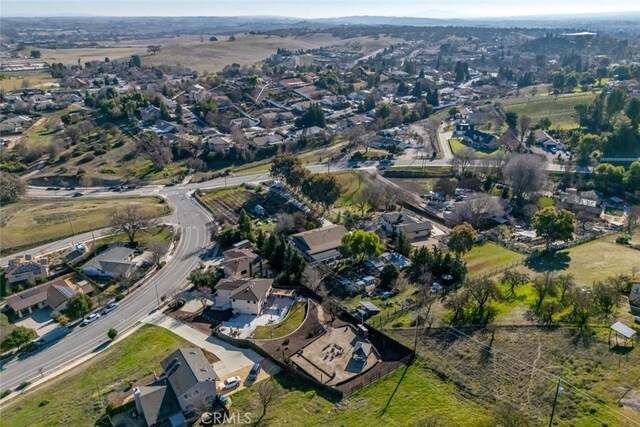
point(193, 221)
point(84, 340)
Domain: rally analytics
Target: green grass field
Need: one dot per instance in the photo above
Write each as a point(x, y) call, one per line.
point(294, 318)
point(15, 81)
point(407, 397)
point(73, 400)
point(30, 223)
point(41, 132)
point(590, 262)
point(561, 110)
point(485, 257)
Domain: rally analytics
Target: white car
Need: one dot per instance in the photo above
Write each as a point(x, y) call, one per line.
point(109, 307)
point(90, 319)
point(230, 383)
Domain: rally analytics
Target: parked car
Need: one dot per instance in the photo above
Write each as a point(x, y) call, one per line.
point(230, 383)
point(109, 307)
point(253, 374)
point(77, 194)
point(32, 347)
point(636, 319)
point(90, 319)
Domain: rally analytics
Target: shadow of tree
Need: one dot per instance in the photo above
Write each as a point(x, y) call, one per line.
point(550, 262)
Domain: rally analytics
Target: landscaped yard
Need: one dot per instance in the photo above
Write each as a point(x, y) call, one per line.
point(30, 223)
point(294, 318)
point(72, 400)
point(457, 145)
point(404, 398)
point(485, 257)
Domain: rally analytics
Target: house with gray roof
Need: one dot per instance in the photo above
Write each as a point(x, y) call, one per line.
point(321, 244)
point(26, 268)
point(187, 386)
point(114, 262)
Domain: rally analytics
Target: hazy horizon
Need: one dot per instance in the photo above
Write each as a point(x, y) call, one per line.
point(303, 9)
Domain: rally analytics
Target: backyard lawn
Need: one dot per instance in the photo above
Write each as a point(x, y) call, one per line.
point(71, 399)
point(407, 397)
point(30, 223)
point(294, 318)
point(485, 257)
point(457, 145)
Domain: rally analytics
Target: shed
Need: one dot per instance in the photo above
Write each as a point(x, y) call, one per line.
point(621, 329)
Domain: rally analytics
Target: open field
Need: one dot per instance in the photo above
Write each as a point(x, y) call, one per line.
point(589, 262)
point(42, 130)
point(404, 398)
point(29, 223)
point(519, 367)
point(14, 81)
point(209, 56)
point(485, 257)
point(77, 397)
point(294, 318)
point(561, 109)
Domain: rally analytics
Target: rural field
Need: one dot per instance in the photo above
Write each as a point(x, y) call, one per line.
point(590, 262)
point(560, 109)
point(14, 81)
point(519, 367)
point(87, 386)
point(409, 396)
point(54, 218)
point(486, 257)
point(207, 55)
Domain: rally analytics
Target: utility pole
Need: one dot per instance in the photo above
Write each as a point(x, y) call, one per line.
point(73, 232)
point(559, 391)
point(415, 338)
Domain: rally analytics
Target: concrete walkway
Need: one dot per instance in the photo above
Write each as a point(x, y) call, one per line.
point(232, 359)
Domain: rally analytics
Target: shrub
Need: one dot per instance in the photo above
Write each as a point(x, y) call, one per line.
point(285, 342)
point(23, 385)
point(63, 321)
point(623, 239)
point(99, 151)
point(55, 316)
point(162, 264)
point(43, 403)
point(112, 334)
point(120, 297)
point(5, 393)
point(87, 158)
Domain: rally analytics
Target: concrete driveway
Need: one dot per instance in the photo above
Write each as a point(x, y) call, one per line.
point(40, 321)
point(232, 359)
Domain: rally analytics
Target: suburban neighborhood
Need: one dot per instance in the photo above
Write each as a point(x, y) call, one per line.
point(311, 221)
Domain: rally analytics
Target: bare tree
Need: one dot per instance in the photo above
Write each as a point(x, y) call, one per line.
point(312, 278)
point(130, 220)
point(462, 160)
point(154, 48)
point(157, 251)
point(372, 195)
point(475, 210)
point(266, 393)
point(525, 173)
point(389, 196)
point(524, 123)
point(445, 186)
point(203, 295)
point(633, 219)
point(354, 136)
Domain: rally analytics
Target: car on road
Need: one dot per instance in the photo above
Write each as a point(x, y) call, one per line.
point(78, 194)
point(230, 383)
point(109, 307)
point(90, 319)
point(32, 347)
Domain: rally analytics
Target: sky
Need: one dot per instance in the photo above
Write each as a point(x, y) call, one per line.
point(313, 9)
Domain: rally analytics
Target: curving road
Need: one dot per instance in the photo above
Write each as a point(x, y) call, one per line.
point(193, 221)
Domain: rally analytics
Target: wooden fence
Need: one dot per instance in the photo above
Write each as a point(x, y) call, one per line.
point(349, 389)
